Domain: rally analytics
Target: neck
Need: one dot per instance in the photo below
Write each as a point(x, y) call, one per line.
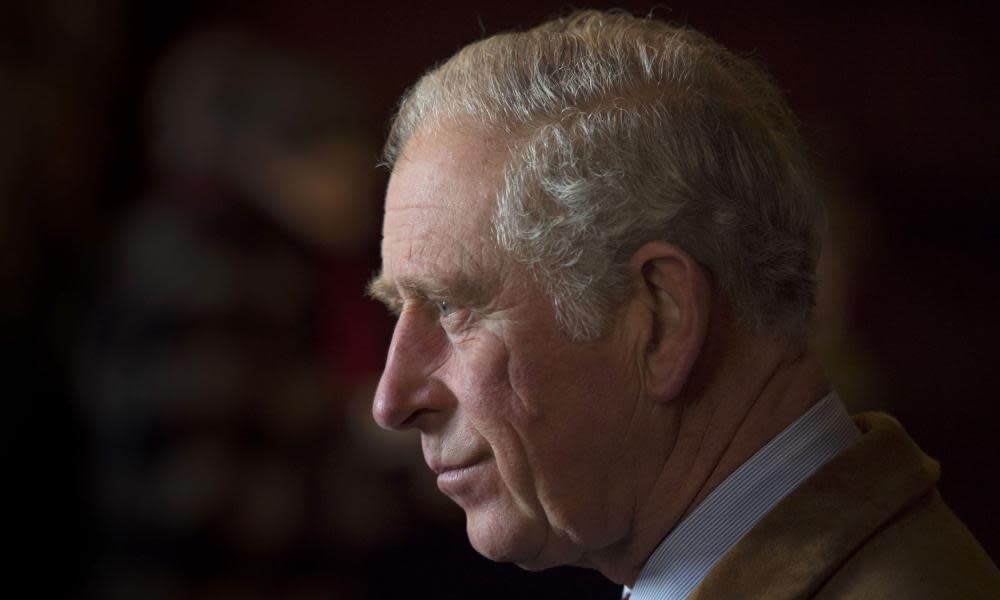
point(745, 391)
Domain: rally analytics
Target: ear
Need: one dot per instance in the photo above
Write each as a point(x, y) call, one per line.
point(675, 293)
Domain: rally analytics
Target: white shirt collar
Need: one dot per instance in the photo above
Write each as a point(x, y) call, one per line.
point(690, 551)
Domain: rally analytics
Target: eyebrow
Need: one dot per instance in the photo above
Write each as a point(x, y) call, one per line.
point(460, 288)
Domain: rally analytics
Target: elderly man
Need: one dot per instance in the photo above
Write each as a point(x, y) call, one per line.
point(600, 240)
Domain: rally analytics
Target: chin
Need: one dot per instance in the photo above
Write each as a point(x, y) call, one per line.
point(503, 534)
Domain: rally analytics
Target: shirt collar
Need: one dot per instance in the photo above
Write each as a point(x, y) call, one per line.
point(689, 552)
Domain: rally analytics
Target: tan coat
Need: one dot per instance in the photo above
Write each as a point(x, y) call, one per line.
point(869, 524)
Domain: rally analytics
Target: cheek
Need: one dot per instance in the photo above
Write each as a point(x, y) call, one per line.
point(479, 366)
point(580, 412)
point(493, 408)
point(530, 396)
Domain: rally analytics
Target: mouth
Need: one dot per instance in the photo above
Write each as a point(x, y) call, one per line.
point(458, 479)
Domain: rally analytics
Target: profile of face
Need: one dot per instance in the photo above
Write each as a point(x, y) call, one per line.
point(529, 432)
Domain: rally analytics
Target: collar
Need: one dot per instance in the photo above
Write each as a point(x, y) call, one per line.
point(698, 542)
point(797, 546)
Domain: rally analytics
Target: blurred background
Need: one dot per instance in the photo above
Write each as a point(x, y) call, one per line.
point(189, 210)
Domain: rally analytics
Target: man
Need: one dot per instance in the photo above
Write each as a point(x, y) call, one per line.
point(600, 239)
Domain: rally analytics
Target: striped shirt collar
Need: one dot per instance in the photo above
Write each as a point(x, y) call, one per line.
point(690, 551)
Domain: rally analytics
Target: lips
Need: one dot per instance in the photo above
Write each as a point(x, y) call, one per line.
point(443, 468)
point(440, 462)
point(458, 478)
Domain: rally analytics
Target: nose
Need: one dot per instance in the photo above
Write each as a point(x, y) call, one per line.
point(409, 394)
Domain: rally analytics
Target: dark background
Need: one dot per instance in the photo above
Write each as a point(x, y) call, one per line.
point(898, 100)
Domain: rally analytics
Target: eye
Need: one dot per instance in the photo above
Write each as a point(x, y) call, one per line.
point(444, 308)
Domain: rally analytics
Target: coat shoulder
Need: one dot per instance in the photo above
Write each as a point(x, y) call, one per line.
point(924, 552)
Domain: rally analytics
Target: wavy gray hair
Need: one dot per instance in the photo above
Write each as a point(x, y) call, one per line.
point(624, 130)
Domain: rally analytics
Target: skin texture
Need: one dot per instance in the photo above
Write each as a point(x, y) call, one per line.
point(496, 386)
point(563, 452)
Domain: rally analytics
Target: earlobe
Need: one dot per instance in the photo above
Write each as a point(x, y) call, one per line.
point(678, 297)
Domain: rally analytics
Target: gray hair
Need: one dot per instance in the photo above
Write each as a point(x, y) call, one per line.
point(624, 130)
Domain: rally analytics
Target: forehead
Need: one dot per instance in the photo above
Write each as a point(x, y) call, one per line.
point(438, 205)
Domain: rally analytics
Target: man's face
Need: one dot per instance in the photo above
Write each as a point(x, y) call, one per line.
point(527, 431)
